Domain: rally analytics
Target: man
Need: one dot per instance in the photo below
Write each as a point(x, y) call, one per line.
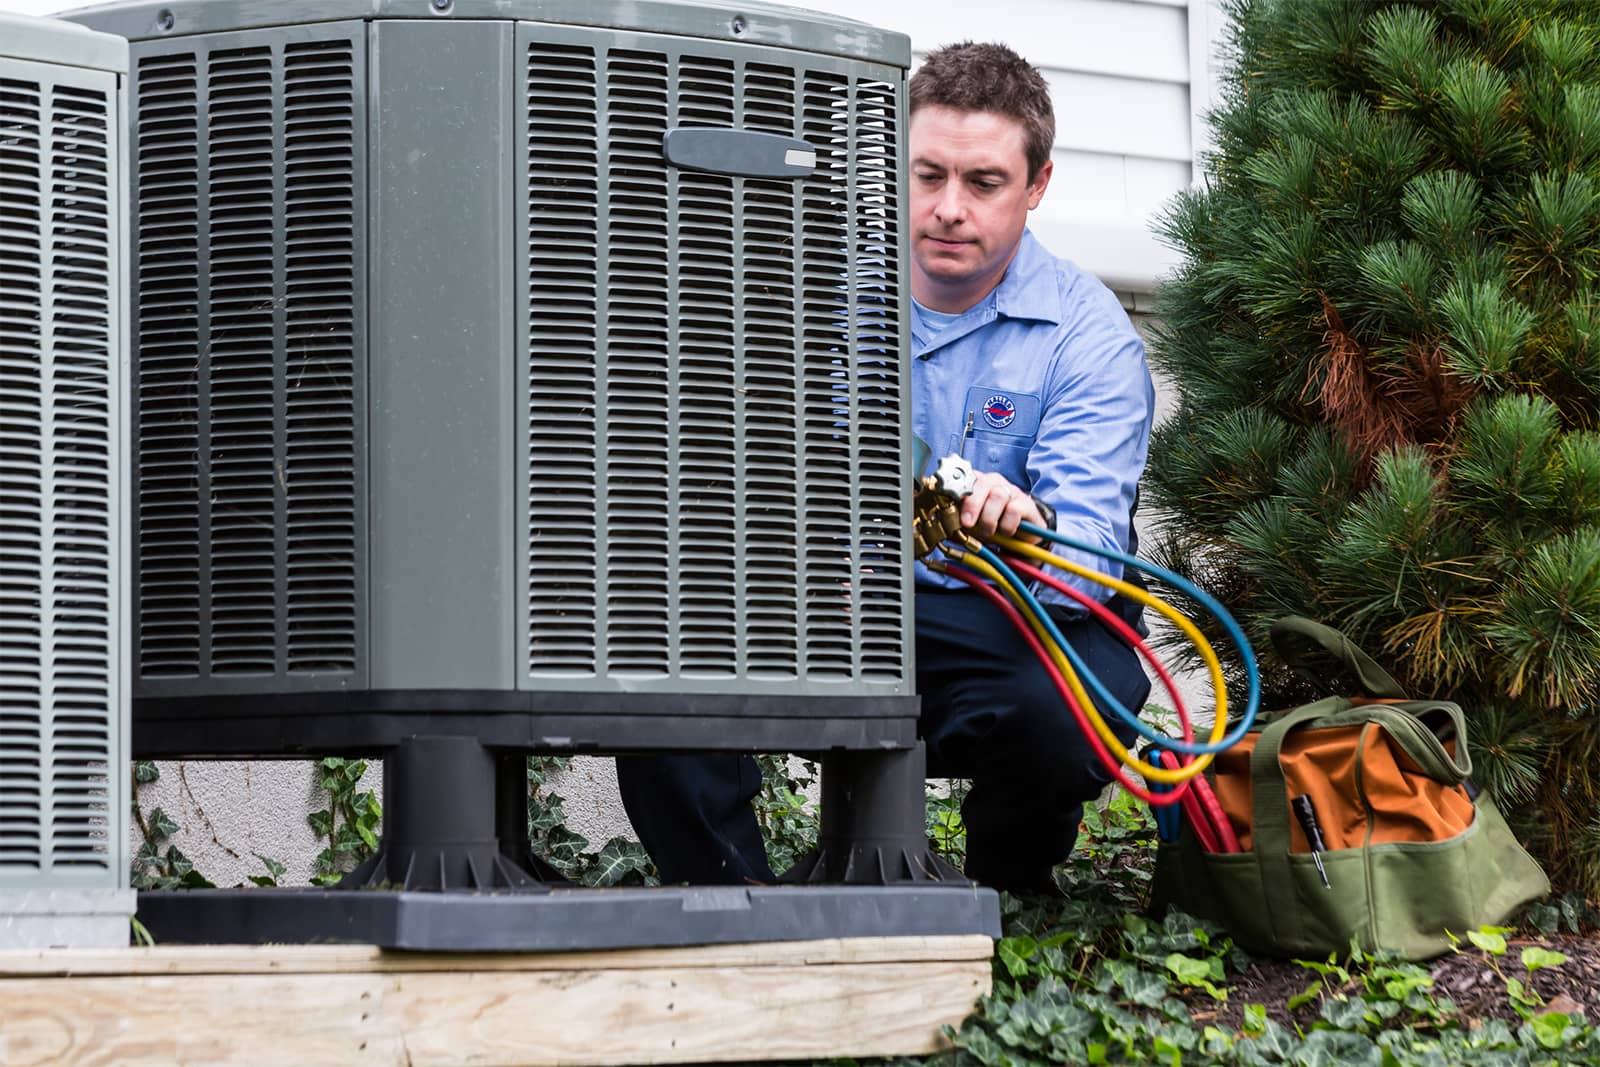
point(1030, 368)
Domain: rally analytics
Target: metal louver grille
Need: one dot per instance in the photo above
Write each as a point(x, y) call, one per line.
point(60, 702)
point(249, 484)
point(714, 473)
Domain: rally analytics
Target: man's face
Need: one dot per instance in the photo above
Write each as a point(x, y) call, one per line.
point(970, 198)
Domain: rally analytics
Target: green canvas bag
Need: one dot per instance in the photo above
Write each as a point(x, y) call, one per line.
point(1414, 853)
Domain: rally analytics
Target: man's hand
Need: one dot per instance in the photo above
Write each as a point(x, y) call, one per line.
point(997, 506)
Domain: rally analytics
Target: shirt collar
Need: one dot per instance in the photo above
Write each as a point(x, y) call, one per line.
point(1028, 290)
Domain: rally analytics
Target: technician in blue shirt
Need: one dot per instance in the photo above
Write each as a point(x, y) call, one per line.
point(1030, 368)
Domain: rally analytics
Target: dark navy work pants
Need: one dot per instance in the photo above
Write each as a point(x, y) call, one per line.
point(989, 713)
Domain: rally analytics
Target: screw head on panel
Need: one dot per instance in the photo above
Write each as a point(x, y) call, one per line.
point(165, 20)
point(738, 25)
point(442, 5)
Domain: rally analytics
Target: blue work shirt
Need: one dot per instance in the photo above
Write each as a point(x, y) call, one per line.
point(1052, 378)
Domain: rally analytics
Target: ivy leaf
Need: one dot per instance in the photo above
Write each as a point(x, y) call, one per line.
point(321, 822)
point(1254, 1022)
point(1015, 952)
point(145, 771)
point(616, 861)
point(368, 838)
point(1342, 1013)
point(1141, 986)
point(1534, 958)
point(177, 863)
point(1189, 970)
point(161, 825)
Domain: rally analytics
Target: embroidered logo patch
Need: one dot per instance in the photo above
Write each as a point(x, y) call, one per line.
point(999, 411)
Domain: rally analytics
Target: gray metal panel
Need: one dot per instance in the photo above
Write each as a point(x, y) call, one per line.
point(768, 24)
point(65, 918)
point(443, 330)
point(250, 279)
point(63, 480)
point(62, 43)
point(716, 463)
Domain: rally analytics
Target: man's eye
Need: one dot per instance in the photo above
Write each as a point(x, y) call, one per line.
point(986, 187)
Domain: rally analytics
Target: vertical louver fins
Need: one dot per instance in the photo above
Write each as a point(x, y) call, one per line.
point(249, 348)
point(318, 473)
point(60, 702)
point(770, 265)
point(565, 263)
point(715, 473)
point(880, 515)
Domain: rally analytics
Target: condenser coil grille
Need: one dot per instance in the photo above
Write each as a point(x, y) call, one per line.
point(250, 508)
point(713, 367)
point(447, 380)
point(61, 702)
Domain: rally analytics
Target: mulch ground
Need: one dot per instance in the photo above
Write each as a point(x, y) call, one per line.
point(1466, 978)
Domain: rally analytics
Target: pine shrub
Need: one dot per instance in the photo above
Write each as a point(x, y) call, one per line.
point(1385, 340)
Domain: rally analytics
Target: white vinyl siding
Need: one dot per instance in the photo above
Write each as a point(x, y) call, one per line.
point(1131, 81)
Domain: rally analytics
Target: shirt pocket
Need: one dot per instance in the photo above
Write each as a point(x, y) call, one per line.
point(1004, 455)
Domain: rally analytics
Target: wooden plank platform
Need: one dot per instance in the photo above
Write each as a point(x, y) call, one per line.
point(351, 1005)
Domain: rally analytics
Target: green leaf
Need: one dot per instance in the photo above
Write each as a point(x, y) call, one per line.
point(1534, 957)
point(1490, 939)
point(177, 863)
point(368, 838)
point(321, 822)
point(1254, 1022)
point(161, 825)
point(145, 771)
point(1550, 1029)
point(1344, 1013)
point(1188, 970)
point(1305, 996)
point(274, 868)
point(1015, 952)
point(619, 859)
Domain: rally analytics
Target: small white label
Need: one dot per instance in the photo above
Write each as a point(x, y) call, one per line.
point(799, 157)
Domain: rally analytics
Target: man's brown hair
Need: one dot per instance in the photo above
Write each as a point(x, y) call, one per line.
point(990, 77)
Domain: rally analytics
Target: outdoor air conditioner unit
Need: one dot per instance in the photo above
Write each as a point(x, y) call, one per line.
point(64, 782)
point(523, 372)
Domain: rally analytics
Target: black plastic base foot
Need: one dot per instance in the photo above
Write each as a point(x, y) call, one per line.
point(874, 829)
point(445, 823)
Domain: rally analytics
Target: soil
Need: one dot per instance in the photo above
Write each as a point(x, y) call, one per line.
point(1466, 978)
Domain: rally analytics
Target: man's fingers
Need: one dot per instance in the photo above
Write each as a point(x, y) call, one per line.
point(997, 506)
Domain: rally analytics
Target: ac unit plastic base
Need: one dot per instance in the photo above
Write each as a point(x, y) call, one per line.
point(566, 919)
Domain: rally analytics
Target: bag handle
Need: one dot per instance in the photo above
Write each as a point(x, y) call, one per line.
point(1297, 640)
point(1270, 791)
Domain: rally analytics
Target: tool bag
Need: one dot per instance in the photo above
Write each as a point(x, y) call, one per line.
point(1410, 850)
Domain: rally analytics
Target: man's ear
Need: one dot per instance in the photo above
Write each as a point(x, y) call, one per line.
point(1037, 186)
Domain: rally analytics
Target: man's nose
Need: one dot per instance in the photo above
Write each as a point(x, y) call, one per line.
point(950, 207)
